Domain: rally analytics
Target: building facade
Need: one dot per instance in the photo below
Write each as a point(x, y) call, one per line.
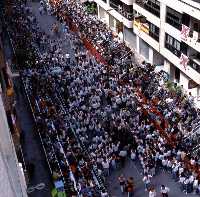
point(165, 33)
point(12, 177)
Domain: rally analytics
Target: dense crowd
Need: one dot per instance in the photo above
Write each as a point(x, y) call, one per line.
point(93, 116)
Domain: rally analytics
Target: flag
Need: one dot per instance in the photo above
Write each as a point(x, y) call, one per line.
point(184, 60)
point(185, 32)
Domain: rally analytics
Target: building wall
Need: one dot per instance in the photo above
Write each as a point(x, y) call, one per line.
point(144, 49)
point(103, 15)
point(130, 38)
point(157, 58)
point(155, 52)
point(112, 23)
point(11, 179)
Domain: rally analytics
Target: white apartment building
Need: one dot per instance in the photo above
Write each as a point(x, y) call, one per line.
point(164, 32)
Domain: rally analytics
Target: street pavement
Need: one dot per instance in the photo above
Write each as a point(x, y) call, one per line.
point(130, 170)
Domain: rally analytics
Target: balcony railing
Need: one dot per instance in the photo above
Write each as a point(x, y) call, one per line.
point(127, 15)
point(154, 8)
point(194, 36)
point(145, 27)
point(195, 63)
point(173, 49)
point(173, 22)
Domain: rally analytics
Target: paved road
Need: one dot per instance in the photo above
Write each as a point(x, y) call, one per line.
point(131, 169)
point(32, 148)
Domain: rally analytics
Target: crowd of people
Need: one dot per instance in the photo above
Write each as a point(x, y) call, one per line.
point(93, 115)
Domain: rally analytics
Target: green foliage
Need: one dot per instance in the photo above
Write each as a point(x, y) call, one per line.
point(91, 8)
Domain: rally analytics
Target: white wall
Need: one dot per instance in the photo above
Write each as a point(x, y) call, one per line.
point(157, 58)
point(151, 55)
point(130, 38)
point(167, 66)
point(184, 80)
point(11, 184)
point(103, 15)
point(127, 2)
point(144, 49)
point(112, 23)
point(148, 39)
point(172, 31)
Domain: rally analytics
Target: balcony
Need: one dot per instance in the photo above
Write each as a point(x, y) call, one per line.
point(194, 62)
point(173, 18)
point(173, 49)
point(122, 10)
point(192, 38)
point(127, 2)
point(148, 15)
point(143, 29)
point(141, 25)
point(151, 6)
point(176, 60)
point(147, 27)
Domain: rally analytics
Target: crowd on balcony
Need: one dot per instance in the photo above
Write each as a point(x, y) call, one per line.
point(93, 116)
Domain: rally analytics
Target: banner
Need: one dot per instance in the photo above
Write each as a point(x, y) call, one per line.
point(185, 32)
point(184, 60)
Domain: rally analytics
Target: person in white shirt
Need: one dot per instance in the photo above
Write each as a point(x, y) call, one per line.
point(106, 166)
point(104, 193)
point(152, 192)
point(146, 180)
point(164, 163)
point(133, 155)
point(195, 186)
point(164, 191)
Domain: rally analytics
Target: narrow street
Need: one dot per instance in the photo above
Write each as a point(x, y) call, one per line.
point(130, 169)
point(33, 151)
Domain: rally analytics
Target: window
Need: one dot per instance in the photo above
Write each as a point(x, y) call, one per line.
point(173, 45)
point(174, 18)
point(186, 19)
point(177, 75)
point(127, 11)
point(194, 65)
point(154, 31)
point(196, 27)
point(115, 4)
point(177, 45)
point(153, 6)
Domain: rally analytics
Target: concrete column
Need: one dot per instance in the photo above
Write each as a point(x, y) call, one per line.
point(184, 80)
point(107, 18)
point(167, 66)
point(98, 11)
point(163, 9)
point(172, 73)
point(115, 24)
point(150, 55)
